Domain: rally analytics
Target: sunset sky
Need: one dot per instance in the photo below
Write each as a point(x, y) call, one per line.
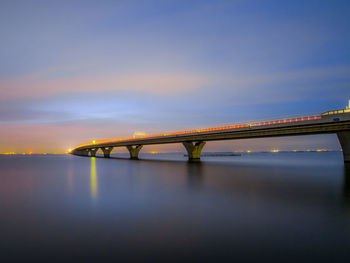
point(76, 71)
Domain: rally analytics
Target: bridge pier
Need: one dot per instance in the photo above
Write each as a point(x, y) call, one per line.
point(134, 151)
point(93, 152)
point(344, 139)
point(107, 151)
point(194, 150)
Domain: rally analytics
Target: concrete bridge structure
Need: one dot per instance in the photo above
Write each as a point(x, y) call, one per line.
point(337, 121)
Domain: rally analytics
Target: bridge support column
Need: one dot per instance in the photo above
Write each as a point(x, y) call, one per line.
point(344, 139)
point(134, 151)
point(194, 150)
point(93, 152)
point(107, 151)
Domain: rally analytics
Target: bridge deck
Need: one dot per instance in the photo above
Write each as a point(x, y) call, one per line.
point(289, 127)
point(330, 122)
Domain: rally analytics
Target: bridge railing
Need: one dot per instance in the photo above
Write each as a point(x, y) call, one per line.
point(203, 130)
point(336, 112)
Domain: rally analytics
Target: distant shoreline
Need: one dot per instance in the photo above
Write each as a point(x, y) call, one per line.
point(203, 154)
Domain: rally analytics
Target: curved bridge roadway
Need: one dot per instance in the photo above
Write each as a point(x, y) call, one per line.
point(194, 140)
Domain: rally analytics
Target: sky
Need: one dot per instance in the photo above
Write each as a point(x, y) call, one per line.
point(76, 71)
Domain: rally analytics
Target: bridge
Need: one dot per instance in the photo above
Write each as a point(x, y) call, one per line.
point(337, 121)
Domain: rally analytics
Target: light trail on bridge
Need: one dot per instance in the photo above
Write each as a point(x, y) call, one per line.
point(220, 128)
point(194, 140)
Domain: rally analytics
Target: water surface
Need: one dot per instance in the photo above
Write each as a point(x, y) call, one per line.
point(255, 207)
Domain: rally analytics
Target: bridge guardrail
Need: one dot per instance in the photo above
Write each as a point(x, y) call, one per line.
point(220, 128)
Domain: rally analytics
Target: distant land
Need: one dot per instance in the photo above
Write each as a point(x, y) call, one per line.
point(234, 153)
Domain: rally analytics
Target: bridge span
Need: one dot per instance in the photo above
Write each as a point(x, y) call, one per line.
point(337, 121)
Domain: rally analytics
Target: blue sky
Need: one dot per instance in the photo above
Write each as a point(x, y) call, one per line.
point(72, 71)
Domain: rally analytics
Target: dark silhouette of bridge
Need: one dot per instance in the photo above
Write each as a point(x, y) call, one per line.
point(337, 121)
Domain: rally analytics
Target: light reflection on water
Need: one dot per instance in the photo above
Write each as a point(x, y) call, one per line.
point(93, 178)
point(260, 207)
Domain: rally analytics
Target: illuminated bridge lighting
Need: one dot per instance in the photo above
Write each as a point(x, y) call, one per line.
point(194, 140)
point(206, 130)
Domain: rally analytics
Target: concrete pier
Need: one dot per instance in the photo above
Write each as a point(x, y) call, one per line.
point(93, 152)
point(107, 151)
point(344, 139)
point(134, 151)
point(194, 150)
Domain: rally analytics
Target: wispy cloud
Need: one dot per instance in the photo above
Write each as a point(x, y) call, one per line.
point(295, 84)
point(159, 84)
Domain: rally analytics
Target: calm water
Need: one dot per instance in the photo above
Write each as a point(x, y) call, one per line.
point(255, 207)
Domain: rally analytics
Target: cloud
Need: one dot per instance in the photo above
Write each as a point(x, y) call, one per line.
point(277, 87)
point(158, 84)
point(25, 116)
point(292, 83)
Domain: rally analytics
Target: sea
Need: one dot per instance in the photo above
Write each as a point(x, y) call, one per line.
point(256, 207)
